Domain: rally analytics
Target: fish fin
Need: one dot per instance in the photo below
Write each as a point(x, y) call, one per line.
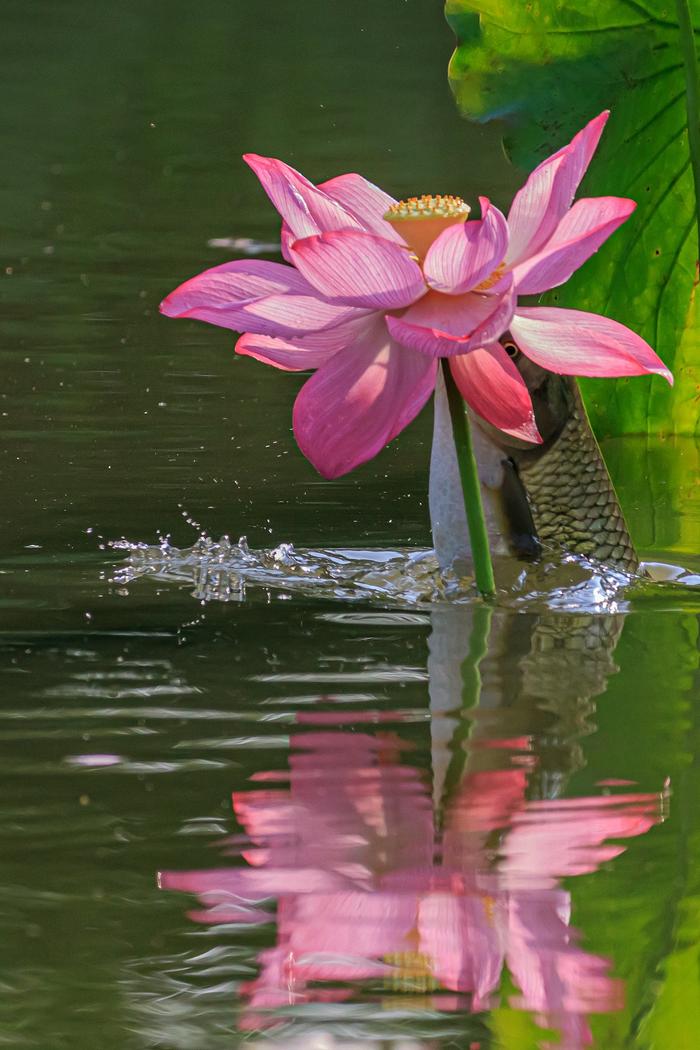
point(517, 513)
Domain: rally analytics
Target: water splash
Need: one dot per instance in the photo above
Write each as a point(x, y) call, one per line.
point(219, 570)
point(224, 571)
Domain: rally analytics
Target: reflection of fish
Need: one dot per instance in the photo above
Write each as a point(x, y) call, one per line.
point(494, 675)
point(538, 498)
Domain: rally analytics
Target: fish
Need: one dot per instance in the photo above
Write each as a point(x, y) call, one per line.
point(557, 496)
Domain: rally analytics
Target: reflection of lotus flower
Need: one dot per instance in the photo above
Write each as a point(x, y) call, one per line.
point(367, 888)
point(378, 290)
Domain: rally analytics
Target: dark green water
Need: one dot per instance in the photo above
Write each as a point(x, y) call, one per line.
point(467, 831)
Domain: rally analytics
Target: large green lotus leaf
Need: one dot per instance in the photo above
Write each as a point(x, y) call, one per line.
point(658, 483)
point(547, 67)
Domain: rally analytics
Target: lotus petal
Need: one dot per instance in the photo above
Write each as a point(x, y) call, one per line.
point(359, 269)
point(305, 208)
point(360, 400)
point(545, 198)
point(466, 254)
point(574, 342)
point(491, 384)
point(365, 201)
point(232, 285)
point(445, 325)
point(586, 226)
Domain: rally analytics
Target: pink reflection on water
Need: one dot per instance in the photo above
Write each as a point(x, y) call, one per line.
point(370, 885)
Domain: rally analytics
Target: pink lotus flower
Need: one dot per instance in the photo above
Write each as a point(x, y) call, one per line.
point(379, 290)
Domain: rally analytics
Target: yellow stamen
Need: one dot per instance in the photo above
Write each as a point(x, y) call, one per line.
point(490, 908)
point(494, 278)
point(413, 972)
point(428, 207)
point(420, 220)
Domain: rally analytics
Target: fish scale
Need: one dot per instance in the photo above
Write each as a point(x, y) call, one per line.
point(571, 495)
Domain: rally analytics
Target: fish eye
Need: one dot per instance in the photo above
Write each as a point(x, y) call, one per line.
point(511, 349)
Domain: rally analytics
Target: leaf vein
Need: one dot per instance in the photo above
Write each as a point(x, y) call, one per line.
point(659, 113)
point(662, 148)
point(568, 31)
point(641, 227)
point(640, 9)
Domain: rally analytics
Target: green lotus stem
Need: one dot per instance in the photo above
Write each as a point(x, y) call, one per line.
point(692, 95)
point(471, 486)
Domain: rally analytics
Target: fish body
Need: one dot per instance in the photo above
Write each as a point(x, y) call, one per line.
point(557, 495)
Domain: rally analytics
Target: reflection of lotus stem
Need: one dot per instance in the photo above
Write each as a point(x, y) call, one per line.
point(692, 92)
point(479, 638)
point(471, 487)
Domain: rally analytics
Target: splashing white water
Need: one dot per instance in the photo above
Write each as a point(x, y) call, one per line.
point(222, 571)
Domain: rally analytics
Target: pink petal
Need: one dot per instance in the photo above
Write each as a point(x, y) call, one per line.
point(463, 942)
point(279, 316)
point(256, 296)
point(246, 886)
point(352, 923)
point(556, 977)
point(558, 838)
point(300, 354)
point(290, 316)
point(547, 195)
point(287, 239)
point(443, 325)
point(365, 201)
point(306, 209)
point(465, 255)
point(573, 342)
point(579, 234)
point(359, 401)
point(289, 356)
point(492, 385)
point(487, 799)
point(359, 269)
point(233, 284)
